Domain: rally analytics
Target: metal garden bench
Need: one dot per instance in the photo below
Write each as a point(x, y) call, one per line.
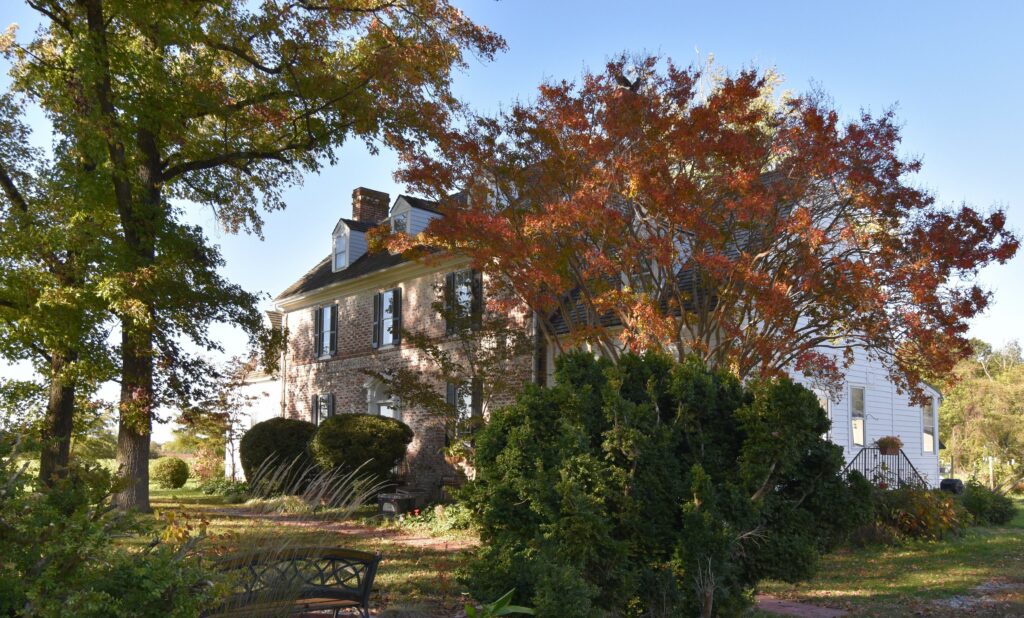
point(298, 580)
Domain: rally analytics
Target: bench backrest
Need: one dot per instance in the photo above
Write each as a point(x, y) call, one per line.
point(294, 573)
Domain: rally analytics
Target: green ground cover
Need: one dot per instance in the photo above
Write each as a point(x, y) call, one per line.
point(979, 574)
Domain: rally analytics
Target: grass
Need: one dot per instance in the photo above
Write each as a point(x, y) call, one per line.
point(416, 576)
point(933, 579)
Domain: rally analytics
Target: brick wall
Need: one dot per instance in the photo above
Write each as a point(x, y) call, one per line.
point(342, 375)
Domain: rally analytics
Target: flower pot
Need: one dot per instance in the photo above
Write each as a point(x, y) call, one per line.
point(889, 450)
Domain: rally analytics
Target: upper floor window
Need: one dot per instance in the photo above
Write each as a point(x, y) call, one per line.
point(400, 222)
point(387, 318)
point(857, 415)
point(928, 427)
point(467, 399)
point(463, 299)
point(340, 251)
point(325, 330)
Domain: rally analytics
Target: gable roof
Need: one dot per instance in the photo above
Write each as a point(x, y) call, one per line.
point(418, 202)
point(323, 275)
point(359, 226)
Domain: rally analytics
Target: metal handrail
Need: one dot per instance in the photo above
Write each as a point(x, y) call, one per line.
point(886, 471)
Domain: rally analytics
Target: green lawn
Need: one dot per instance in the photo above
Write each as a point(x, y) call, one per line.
point(416, 576)
point(980, 574)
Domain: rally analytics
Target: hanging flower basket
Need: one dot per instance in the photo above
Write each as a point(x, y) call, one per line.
point(889, 445)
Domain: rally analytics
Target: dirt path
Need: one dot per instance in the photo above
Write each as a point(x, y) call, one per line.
point(782, 607)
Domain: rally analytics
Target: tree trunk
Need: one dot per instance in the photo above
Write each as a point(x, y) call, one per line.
point(56, 431)
point(136, 418)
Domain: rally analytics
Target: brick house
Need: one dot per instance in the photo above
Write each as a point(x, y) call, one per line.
point(347, 313)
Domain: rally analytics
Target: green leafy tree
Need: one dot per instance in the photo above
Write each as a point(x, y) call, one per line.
point(982, 414)
point(51, 311)
point(220, 103)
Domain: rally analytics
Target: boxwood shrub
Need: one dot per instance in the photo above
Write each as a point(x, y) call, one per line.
point(352, 440)
point(170, 472)
point(986, 506)
point(285, 439)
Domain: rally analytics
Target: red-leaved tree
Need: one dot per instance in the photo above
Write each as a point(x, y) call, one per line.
point(653, 206)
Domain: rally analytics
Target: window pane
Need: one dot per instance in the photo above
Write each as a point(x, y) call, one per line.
point(340, 247)
point(857, 415)
point(398, 223)
point(928, 426)
point(387, 323)
point(325, 329)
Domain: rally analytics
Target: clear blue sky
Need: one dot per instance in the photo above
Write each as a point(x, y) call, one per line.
point(954, 70)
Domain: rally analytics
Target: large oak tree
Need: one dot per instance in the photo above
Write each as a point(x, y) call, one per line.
point(221, 103)
point(655, 206)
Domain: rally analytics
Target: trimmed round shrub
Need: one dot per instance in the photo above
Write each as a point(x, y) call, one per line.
point(986, 506)
point(352, 440)
point(284, 439)
point(170, 473)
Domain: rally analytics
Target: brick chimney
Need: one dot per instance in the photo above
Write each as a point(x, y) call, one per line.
point(370, 206)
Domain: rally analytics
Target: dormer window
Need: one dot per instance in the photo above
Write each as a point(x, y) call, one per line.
point(340, 251)
point(400, 222)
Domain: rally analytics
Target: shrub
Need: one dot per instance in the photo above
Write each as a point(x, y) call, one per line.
point(986, 506)
point(352, 440)
point(64, 555)
point(234, 491)
point(653, 488)
point(917, 514)
point(284, 439)
point(170, 473)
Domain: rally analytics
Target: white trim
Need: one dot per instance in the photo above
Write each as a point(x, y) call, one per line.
point(385, 277)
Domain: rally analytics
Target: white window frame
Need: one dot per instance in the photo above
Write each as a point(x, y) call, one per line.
point(404, 216)
point(387, 318)
point(863, 416)
point(325, 331)
point(378, 399)
point(929, 408)
point(343, 236)
point(826, 405)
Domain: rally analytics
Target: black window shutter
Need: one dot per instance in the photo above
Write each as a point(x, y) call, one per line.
point(334, 329)
point(477, 400)
point(315, 414)
point(317, 330)
point(396, 324)
point(452, 396)
point(449, 302)
point(376, 319)
point(330, 404)
point(477, 304)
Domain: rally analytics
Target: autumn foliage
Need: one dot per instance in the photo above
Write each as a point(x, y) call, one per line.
point(656, 206)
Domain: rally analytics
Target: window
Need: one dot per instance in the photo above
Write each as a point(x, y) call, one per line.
point(380, 401)
point(325, 331)
point(463, 300)
point(857, 415)
point(340, 251)
point(467, 398)
point(400, 222)
point(826, 405)
point(322, 408)
point(387, 318)
point(928, 427)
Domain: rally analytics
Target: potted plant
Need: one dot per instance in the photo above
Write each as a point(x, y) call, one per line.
point(889, 445)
